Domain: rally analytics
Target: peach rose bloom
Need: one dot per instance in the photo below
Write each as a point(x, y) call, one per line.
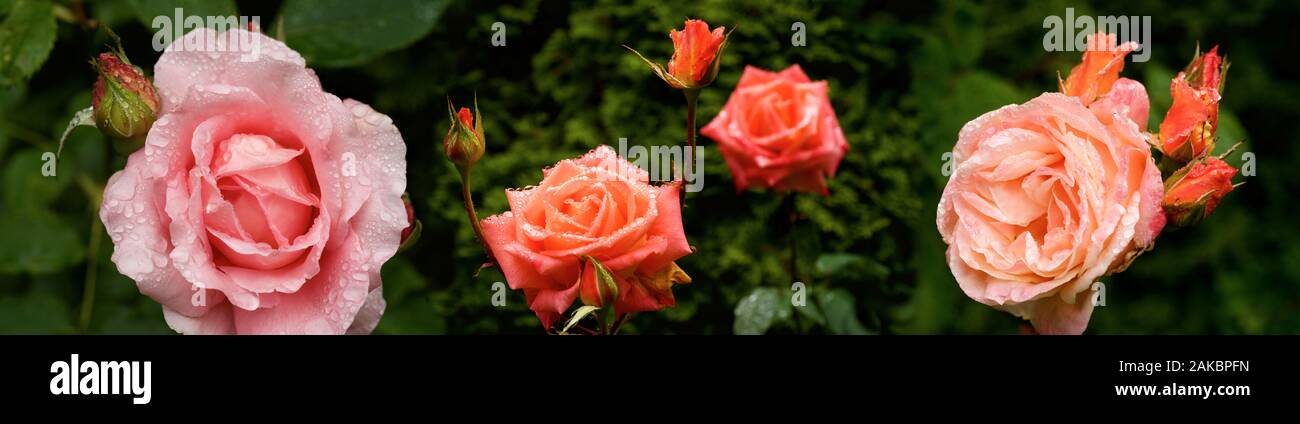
point(778, 131)
point(260, 204)
point(1047, 197)
point(598, 205)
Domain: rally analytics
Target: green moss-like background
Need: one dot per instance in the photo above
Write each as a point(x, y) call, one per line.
point(904, 77)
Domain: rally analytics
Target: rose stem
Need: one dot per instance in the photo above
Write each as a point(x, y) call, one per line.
point(792, 218)
point(618, 323)
point(92, 255)
point(473, 216)
point(691, 96)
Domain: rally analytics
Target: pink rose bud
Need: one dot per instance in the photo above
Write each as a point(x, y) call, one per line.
point(598, 286)
point(1188, 129)
point(1193, 192)
point(464, 142)
point(124, 101)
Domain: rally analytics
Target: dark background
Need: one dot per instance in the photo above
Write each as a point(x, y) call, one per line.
point(904, 77)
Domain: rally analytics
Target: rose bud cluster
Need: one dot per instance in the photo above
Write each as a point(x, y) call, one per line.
point(1187, 138)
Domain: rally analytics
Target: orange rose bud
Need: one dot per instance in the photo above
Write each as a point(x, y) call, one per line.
point(1188, 130)
point(1102, 62)
point(598, 286)
point(124, 101)
point(1193, 192)
point(696, 55)
point(464, 142)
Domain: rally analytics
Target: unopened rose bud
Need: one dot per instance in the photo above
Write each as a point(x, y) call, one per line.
point(124, 101)
point(464, 142)
point(598, 285)
point(1188, 129)
point(1193, 192)
point(697, 53)
point(411, 234)
point(1096, 74)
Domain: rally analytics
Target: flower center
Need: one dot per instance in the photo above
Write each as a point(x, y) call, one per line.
point(265, 202)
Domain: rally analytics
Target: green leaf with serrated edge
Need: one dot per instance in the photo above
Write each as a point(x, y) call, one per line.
point(26, 38)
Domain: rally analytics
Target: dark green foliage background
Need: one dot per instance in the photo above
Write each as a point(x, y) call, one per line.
point(904, 77)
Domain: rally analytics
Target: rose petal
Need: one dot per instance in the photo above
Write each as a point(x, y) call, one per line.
point(218, 320)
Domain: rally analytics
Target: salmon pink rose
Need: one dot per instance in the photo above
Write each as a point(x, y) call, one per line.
point(598, 205)
point(1048, 196)
point(778, 131)
point(259, 203)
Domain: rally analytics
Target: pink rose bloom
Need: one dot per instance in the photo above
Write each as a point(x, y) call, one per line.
point(598, 205)
point(260, 204)
point(778, 131)
point(1048, 196)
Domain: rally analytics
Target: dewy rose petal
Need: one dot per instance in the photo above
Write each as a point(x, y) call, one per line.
point(260, 203)
point(598, 205)
point(778, 131)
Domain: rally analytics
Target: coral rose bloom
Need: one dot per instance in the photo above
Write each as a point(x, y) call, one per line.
point(1048, 196)
point(598, 205)
point(778, 131)
point(259, 203)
